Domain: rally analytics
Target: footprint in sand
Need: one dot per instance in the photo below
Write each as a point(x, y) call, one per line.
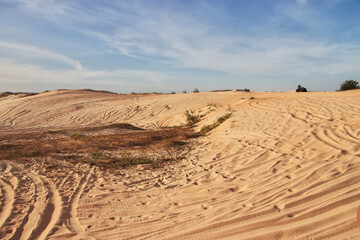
point(206, 207)
point(234, 189)
point(290, 176)
point(248, 205)
point(279, 207)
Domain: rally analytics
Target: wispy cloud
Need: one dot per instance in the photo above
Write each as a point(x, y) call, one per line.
point(182, 40)
point(35, 52)
point(18, 73)
point(160, 33)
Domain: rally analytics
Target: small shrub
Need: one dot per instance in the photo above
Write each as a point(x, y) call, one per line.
point(349, 84)
point(196, 90)
point(192, 117)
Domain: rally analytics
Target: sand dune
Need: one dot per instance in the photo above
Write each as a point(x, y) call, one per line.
point(283, 166)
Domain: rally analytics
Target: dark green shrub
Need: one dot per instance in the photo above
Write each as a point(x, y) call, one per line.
point(349, 84)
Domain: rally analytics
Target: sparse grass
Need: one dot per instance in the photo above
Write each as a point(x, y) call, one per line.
point(224, 118)
point(210, 109)
point(207, 128)
point(52, 132)
point(33, 153)
point(192, 117)
point(76, 135)
point(116, 126)
point(170, 126)
point(95, 155)
point(107, 160)
point(129, 161)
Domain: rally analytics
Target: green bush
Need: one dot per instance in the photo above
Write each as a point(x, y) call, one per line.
point(349, 84)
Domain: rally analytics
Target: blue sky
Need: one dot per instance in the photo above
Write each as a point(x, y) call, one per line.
point(176, 45)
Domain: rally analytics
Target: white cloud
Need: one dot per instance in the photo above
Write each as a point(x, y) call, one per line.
point(181, 40)
point(35, 52)
point(16, 73)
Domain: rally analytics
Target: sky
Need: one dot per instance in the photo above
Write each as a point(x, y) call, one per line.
point(178, 45)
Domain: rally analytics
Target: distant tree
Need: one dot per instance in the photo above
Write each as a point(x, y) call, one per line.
point(184, 91)
point(173, 92)
point(196, 90)
point(349, 84)
point(301, 89)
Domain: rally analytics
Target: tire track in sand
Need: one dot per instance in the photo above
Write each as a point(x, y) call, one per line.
point(72, 221)
point(8, 195)
point(44, 213)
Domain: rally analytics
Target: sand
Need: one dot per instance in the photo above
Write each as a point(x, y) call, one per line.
point(283, 166)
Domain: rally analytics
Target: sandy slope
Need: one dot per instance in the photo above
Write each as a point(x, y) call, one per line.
point(284, 166)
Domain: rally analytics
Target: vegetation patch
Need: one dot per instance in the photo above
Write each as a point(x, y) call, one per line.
point(129, 161)
point(52, 132)
point(207, 128)
point(154, 147)
point(192, 117)
point(76, 135)
point(349, 84)
point(95, 155)
point(34, 153)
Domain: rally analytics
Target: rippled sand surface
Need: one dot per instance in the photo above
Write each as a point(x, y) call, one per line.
point(283, 166)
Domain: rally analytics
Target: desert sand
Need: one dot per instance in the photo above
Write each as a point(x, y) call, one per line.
point(283, 166)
